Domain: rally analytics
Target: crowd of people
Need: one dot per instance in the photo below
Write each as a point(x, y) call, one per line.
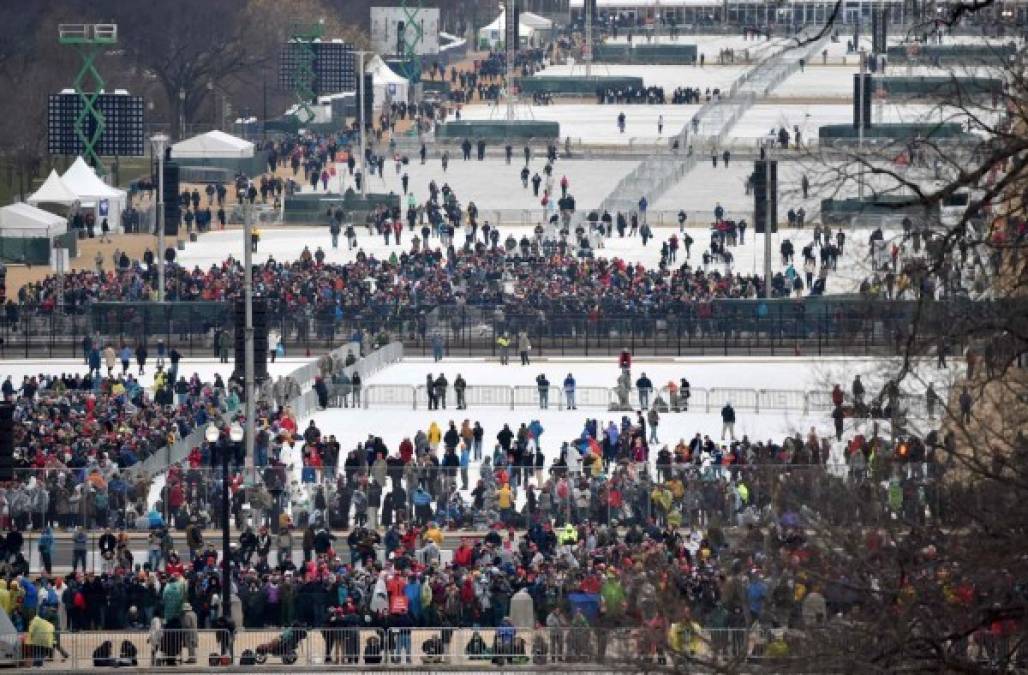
point(596, 540)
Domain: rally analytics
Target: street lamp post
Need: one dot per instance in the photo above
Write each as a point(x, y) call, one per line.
point(860, 126)
point(248, 356)
point(160, 144)
point(360, 116)
point(181, 114)
point(212, 434)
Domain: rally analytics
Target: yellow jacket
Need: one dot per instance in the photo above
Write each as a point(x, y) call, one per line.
point(41, 633)
point(435, 434)
point(434, 534)
point(504, 497)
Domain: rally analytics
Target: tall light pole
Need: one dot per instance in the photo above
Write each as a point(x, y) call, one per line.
point(212, 435)
point(159, 142)
point(181, 114)
point(768, 219)
point(248, 365)
point(360, 117)
point(860, 125)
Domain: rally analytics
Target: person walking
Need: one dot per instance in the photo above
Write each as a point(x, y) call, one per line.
point(931, 400)
point(569, 391)
point(965, 406)
point(728, 421)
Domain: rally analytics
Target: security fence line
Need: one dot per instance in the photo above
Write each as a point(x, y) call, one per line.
point(375, 647)
point(304, 376)
point(610, 399)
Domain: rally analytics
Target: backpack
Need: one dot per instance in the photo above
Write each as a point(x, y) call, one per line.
point(102, 655)
point(373, 650)
point(247, 658)
point(127, 654)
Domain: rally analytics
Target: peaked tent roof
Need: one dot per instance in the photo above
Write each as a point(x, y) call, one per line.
point(381, 72)
point(83, 181)
point(23, 220)
point(213, 144)
point(53, 191)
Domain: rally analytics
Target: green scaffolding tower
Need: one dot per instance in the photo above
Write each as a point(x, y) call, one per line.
point(303, 36)
point(410, 40)
point(89, 40)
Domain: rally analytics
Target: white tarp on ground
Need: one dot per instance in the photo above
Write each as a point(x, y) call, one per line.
point(387, 83)
point(53, 191)
point(105, 201)
point(25, 220)
point(212, 145)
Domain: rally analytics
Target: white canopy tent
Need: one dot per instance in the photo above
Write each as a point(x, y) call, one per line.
point(26, 221)
point(388, 84)
point(95, 195)
point(528, 25)
point(53, 191)
point(212, 145)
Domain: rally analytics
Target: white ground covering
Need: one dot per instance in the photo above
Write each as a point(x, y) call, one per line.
point(705, 186)
point(492, 183)
point(761, 118)
point(836, 81)
point(594, 124)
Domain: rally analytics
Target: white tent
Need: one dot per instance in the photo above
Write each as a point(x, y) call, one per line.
point(212, 145)
point(23, 220)
point(388, 84)
point(94, 194)
point(53, 191)
point(528, 25)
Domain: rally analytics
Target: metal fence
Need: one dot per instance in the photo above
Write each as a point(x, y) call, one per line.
point(607, 398)
point(830, 325)
point(376, 647)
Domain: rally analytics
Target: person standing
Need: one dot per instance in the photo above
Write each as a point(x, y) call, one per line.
point(503, 342)
point(459, 385)
point(543, 384)
point(645, 387)
point(189, 631)
point(653, 419)
point(430, 392)
point(524, 346)
point(728, 421)
point(437, 347)
point(569, 391)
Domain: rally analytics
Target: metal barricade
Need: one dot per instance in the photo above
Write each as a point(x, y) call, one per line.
point(741, 399)
point(382, 395)
point(791, 400)
point(531, 397)
point(489, 396)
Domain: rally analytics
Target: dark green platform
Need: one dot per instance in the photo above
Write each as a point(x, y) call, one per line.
point(896, 130)
point(836, 211)
point(937, 87)
point(497, 130)
point(576, 86)
point(649, 54)
point(967, 54)
point(313, 208)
